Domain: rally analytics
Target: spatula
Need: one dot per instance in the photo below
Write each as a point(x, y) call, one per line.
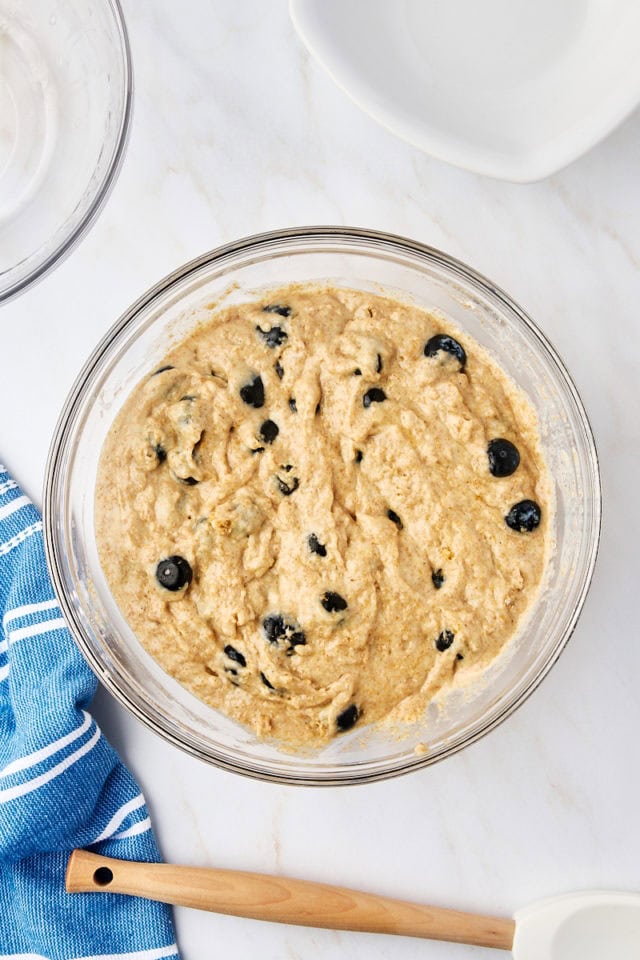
point(577, 926)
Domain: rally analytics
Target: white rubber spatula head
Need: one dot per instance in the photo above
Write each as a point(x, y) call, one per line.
point(578, 926)
point(594, 925)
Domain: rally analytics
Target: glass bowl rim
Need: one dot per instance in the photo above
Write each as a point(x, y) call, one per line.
point(65, 428)
point(62, 250)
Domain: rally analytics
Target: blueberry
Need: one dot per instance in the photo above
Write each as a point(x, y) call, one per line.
point(524, 516)
point(357, 372)
point(283, 631)
point(266, 682)
point(333, 602)
point(174, 573)
point(315, 546)
point(378, 363)
point(286, 489)
point(278, 369)
point(273, 337)
point(448, 345)
point(160, 452)
point(269, 431)
point(274, 627)
point(348, 718)
point(393, 516)
point(459, 656)
point(278, 308)
point(503, 458)
point(437, 578)
point(235, 655)
point(358, 456)
point(286, 467)
point(444, 641)
point(374, 395)
point(292, 405)
point(253, 393)
point(162, 370)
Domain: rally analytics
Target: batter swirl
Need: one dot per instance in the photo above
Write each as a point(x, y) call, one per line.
point(321, 509)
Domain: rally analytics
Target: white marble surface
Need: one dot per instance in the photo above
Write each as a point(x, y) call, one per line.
point(236, 131)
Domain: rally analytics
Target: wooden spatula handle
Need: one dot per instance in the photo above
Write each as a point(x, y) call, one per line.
point(263, 897)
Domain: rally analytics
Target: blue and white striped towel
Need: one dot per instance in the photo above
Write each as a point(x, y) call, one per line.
point(61, 784)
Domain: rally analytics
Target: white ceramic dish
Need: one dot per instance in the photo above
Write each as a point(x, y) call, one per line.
point(507, 88)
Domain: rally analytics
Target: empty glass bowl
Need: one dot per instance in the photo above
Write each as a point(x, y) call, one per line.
point(65, 103)
point(140, 339)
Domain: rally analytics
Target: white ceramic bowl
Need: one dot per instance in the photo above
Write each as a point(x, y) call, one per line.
point(508, 88)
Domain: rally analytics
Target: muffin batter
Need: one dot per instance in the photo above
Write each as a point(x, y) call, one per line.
point(321, 509)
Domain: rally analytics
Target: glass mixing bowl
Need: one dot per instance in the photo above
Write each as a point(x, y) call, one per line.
point(65, 102)
point(140, 339)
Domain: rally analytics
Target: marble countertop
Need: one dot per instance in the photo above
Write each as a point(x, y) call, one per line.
point(236, 131)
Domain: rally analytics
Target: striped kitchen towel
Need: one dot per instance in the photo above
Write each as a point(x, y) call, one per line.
point(61, 784)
